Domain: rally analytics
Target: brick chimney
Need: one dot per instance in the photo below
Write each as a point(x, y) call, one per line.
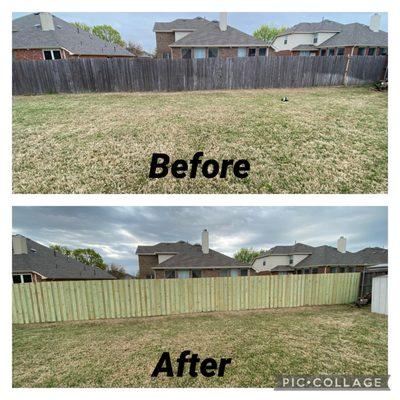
point(204, 242)
point(46, 21)
point(375, 23)
point(223, 21)
point(19, 244)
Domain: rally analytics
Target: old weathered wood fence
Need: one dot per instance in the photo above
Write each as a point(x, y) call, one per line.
point(88, 300)
point(131, 75)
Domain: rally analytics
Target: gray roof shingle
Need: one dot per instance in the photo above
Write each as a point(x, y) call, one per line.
point(211, 35)
point(52, 265)
point(180, 24)
point(189, 256)
point(311, 27)
point(27, 34)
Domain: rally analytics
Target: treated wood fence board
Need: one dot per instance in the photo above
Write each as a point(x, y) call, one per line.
point(88, 75)
point(88, 300)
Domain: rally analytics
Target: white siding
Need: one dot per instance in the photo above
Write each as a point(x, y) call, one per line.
point(164, 257)
point(298, 257)
point(270, 262)
point(295, 39)
point(379, 302)
point(180, 35)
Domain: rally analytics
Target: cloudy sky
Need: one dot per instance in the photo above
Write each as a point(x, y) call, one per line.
point(116, 231)
point(138, 27)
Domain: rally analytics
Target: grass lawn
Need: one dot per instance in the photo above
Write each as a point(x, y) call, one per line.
point(262, 345)
point(324, 140)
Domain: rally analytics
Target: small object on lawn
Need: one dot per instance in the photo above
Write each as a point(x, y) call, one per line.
point(363, 300)
point(285, 98)
point(381, 85)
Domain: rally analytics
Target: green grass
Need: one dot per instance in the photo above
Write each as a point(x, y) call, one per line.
point(262, 345)
point(324, 140)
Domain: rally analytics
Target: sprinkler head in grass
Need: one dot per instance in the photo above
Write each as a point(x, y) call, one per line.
point(285, 98)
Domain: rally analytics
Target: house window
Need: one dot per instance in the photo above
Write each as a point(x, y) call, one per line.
point(242, 52)
point(223, 273)
point(244, 272)
point(213, 52)
point(196, 273)
point(186, 53)
point(285, 39)
point(306, 270)
point(331, 52)
point(342, 269)
point(351, 269)
point(323, 52)
point(183, 274)
point(52, 54)
point(199, 53)
point(262, 52)
point(304, 53)
point(315, 38)
point(252, 52)
point(361, 51)
point(166, 56)
point(371, 51)
point(383, 51)
point(170, 274)
point(263, 262)
point(314, 271)
point(340, 51)
point(291, 260)
point(333, 270)
point(22, 278)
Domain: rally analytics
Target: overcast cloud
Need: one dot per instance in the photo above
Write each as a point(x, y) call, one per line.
point(115, 232)
point(138, 27)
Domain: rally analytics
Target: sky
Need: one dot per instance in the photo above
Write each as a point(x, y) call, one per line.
point(115, 232)
point(138, 27)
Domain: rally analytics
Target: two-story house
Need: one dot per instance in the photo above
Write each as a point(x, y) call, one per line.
point(328, 38)
point(200, 38)
point(185, 260)
point(304, 259)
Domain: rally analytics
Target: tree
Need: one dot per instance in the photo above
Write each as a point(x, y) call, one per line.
point(268, 32)
point(89, 257)
point(82, 26)
point(135, 48)
point(61, 249)
point(117, 270)
point(108, 33)
point(247, 255)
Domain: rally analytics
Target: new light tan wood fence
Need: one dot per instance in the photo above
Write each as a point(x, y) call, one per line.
point(87, 300)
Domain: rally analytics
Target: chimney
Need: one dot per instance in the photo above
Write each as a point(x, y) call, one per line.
point(375, 23)
point(46, 21)
point(204, 242)
point(341, 244)
point(223, 21)
point(19, 244)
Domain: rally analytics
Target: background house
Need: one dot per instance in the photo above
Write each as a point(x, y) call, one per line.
point(43, 36)
point(332, 38)
point(185, 260)
point(200, 38)
point(303, 259)
point(33, 262)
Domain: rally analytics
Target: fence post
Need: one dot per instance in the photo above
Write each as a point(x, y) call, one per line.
point(346, 71)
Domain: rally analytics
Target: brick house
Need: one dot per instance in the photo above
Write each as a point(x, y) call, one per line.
point(43, 36)
point(33, 262)
point(200, 38)
point(185, 260)
point(328, 38)
point(303, 259)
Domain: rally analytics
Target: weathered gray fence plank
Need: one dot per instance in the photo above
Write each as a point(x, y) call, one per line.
point(142, 75)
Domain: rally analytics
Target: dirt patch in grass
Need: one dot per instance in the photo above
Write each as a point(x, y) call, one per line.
point(324, 140)
point(262, 344)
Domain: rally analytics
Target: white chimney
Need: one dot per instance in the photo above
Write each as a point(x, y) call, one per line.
point(341, 244)
point(375, 23)
point(46, 21)
point(19, 245)
point(223, 21)
point(204, 242)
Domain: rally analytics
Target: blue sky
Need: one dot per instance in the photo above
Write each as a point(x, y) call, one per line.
point(115, 232)
point(138, 27)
